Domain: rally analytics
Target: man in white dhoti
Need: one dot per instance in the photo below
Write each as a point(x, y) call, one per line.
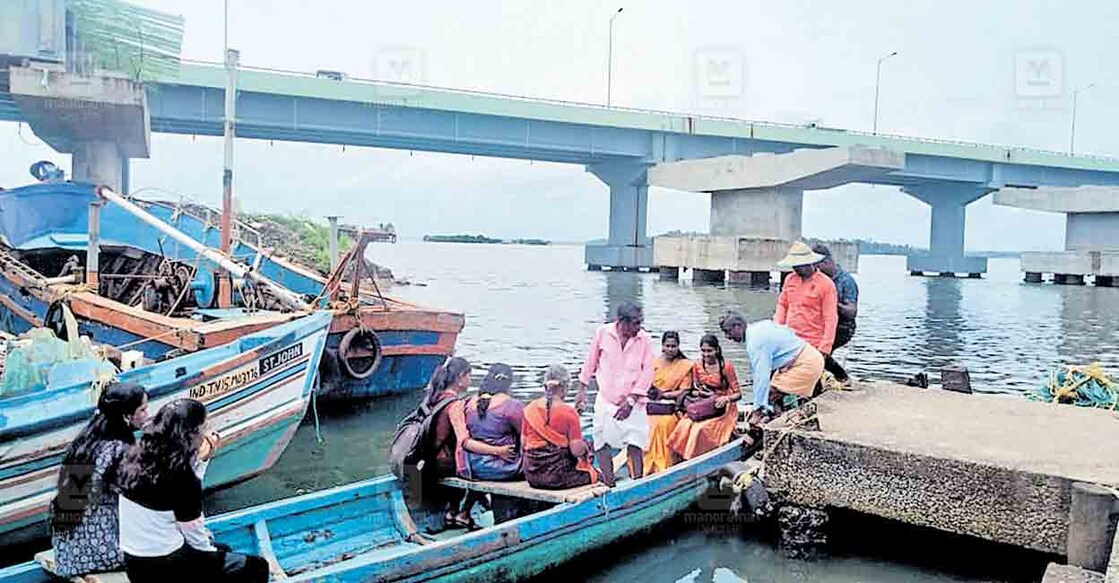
point(621, 361)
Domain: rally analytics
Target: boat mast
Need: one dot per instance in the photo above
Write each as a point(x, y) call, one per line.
point(232, 57)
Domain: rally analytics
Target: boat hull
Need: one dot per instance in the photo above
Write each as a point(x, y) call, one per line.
point(356, 532)
point(256, 389)
point(414, 340)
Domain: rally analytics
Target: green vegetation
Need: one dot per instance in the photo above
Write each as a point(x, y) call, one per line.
point(304, 240)
point(460, 239)
point(530, 242)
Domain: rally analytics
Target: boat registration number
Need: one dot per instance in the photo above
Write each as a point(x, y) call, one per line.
point(245, 375)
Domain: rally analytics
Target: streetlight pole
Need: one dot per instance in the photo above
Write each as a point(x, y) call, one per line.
point(610, 58)
point(878, 86)
point(1072, 130)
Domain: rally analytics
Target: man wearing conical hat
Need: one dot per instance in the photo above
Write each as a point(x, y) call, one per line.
point(808, 301)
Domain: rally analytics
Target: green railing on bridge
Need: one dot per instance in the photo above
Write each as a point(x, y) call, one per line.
point(303, 84)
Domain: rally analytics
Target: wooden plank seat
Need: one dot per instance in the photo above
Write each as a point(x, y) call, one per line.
point(521, 489)
point(46, 561)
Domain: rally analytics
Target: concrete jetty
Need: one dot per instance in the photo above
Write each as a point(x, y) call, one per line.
point(1000, 468)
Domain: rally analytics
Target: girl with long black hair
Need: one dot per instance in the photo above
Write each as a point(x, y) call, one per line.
point(83, 514)
point(162, 532)
point(715, 392)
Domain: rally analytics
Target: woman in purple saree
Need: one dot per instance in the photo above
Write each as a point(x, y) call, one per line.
point(494, 418)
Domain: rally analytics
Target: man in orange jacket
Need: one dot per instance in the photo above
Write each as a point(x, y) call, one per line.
point(808, 301)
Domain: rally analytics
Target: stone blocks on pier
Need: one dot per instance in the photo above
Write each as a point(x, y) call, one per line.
point(978, 465)
point(1091, 232)
point(738, 255)
point(1068, 574)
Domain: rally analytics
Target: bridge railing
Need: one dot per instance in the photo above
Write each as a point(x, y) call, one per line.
point(676, 114)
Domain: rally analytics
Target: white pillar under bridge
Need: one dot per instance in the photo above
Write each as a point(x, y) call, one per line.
point(757, 206)
point(1091, 233)
point(101, 119)
point(627, 247)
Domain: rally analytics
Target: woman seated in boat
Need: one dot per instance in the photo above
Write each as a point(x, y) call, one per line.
point(83, 514)
point(162, 533)
point(711, 410)
point(493, 417)
point(555, 455)
point(672, 375)
point(450, 442)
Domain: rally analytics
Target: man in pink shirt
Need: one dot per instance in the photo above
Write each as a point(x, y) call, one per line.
point(808, 302)
point(621, 361)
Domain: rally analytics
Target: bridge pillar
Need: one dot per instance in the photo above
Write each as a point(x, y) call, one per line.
point(946, 231)
point(627, 246)
point(101, 119)
point(98, 162)
point(763, 213)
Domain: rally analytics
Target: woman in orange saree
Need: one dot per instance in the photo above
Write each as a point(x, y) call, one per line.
point(555, 455)
point(716, 386)
point(672, 374)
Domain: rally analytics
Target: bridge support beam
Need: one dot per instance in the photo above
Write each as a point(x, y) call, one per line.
point(946, 231)
point(763, 213)
point(1091, 232)
point(98, 162)
point(627, 247)
point(101, 119)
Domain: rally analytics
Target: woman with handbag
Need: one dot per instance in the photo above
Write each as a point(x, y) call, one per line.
point(83, 514)
point(710, 408)
point(672, 376)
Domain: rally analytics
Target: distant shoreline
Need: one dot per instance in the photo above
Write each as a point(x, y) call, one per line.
point(482, 240)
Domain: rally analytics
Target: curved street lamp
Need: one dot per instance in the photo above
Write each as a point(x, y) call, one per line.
point(877, 86)
point(610, 58)
point(1072, 130)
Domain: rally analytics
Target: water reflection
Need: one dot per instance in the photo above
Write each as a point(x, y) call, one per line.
point(940, 342)
point(620, 287)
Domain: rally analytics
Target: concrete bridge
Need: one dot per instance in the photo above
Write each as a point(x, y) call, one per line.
point(104, 120)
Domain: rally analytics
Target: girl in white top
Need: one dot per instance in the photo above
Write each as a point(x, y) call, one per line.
point(161, 524)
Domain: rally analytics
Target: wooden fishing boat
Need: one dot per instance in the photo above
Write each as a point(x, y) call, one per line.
point(160, 294)
point(365, 532)
point(256, 388)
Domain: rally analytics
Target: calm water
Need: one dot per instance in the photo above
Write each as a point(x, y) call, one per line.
point(532, 306)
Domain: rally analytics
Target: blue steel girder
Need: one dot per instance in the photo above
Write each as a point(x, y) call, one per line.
point(185, 109)
point(195, 107)
point(198, 110)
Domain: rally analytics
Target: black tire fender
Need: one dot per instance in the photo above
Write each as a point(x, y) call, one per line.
point(366, 338)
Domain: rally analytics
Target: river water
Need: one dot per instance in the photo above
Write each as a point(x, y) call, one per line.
point(532, 306)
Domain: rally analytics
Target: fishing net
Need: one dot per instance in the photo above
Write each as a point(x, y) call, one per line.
point(1083, 386)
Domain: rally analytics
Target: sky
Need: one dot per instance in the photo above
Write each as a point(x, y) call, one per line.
point(957, 75)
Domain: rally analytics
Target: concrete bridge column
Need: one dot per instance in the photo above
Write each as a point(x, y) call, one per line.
point(946, 231)
point(99, 162)
point(764, 213)
point(627, 246)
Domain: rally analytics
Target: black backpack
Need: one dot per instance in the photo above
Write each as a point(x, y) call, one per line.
point(407, 447)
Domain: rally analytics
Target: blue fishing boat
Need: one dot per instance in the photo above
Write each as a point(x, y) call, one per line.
point(256, 388)
point(161, 295)
point(365, 532)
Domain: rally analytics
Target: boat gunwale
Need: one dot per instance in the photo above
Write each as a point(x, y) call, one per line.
point(293, 331)
point(678, 477)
